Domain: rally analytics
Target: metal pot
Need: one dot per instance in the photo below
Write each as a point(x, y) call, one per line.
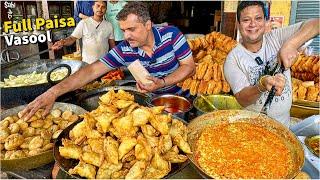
point(89, 100)
point(215, 118)
point(14, 96)
point(176, 105)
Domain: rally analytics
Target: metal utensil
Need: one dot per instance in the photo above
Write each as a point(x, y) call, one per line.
point(17, 60)
point(216, 118)
point(279, 69)
point(208, 102)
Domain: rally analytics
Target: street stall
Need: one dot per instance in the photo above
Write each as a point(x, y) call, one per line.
point(111, 129)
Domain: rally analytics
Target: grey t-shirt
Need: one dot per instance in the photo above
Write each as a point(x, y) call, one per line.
point(241, 70)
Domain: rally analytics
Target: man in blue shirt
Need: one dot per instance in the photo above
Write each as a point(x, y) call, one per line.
point(163, 51)
point(83, 10)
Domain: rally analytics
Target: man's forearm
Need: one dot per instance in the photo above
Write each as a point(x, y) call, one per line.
point(183, 72)
point(69, 41)
point(248, 95)
point(308, 30)
point(80, 78)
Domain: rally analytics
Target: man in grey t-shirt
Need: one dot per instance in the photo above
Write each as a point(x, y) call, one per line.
point(245, 65)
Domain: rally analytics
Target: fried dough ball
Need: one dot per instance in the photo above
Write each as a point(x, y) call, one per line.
point(45, 134)
point(37, 123)
point(57, 120)
point(13, 141)
point(48, 147)
point(35, 143)
point(56, 113)
point(22, 124)
point(33, 118)
point(54, 128)
point(14, 128)
point(10, 119)
point(39, 113)
point(73, 118)
point(47, 123)
point(18, 154)
point(4, 133)
point(25, 144)
point(30, 131)
point(66, 115)
point(56, 134)
point(8, 154)
point(4, 123)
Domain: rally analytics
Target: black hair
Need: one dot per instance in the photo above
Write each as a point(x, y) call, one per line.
point(243, 4)
point(100, 1)
point(135, 7)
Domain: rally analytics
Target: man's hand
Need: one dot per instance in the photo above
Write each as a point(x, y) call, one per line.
point(278, 81)
point(156, 84)
point(45, 100)
point(58, 45)
point(288, 55)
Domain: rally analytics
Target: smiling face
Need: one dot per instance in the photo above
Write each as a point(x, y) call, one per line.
point(252, 24)
point(135, 31)
point(99, 8)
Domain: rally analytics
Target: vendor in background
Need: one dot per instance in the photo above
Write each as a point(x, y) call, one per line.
point(113, 8)
point(96, 33)
point(245, 65)
point(163, 51)
point(83, 10)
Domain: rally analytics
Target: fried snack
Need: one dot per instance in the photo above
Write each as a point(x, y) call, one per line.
point(126, 145)
point(186, 84)
point(210, 53)
point(194, 87)
point(132, 146)
point(143, 151)
point(140, 116)
point(13, 141)
point(84, 170)
point(209, 73)
point(137, 170)
point(165, 143)
point(111, 147)
point(70, 151)
point(307, 90)
point(93, 158)
point(107, 169)
point(173, 156)
point(306, 68)
point(33, 136)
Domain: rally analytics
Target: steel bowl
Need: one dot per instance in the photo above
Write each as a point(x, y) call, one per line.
point(41, 159)
point(215, 118)
point(221, 102)
point(312, 142)
point(176, 105)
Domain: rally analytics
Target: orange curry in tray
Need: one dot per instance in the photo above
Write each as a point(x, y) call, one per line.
point(242, 150)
